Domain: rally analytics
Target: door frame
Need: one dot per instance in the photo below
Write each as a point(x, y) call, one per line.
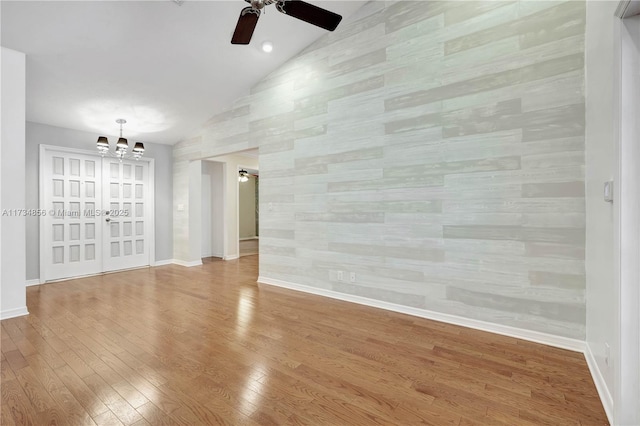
point(148, 199)
point(627, 219)
point(240, 167)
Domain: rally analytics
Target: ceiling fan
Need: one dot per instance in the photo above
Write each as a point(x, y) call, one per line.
point(297, 8)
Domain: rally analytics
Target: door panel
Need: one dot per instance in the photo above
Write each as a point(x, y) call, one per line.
point(72, 194)
point(125, 226)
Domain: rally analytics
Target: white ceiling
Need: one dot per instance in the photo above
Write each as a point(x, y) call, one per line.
point(165, 68)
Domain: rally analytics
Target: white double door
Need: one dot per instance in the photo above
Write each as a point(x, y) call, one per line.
point(96, 214)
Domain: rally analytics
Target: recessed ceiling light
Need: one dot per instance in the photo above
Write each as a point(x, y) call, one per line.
point(267, 46)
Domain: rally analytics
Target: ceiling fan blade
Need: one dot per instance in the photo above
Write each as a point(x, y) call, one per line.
point(309, 13)
point(246, 24)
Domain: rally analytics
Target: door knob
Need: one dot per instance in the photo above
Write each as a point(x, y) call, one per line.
point(108, 219)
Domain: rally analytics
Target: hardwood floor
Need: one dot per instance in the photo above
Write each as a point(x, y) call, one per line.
point(248, 247)
point(207, 345)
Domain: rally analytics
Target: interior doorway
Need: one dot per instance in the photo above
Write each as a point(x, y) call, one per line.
point(248, 211)
point(220, 206)
point(97, 213)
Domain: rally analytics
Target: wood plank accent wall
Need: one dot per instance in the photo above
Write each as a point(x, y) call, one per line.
point(436, 149)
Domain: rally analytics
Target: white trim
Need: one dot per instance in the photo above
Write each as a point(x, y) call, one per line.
point(237, 212)
point(621, 10)
point(186, 264)
point(41, 223)
point(232, 257)
point(90, 152)
point(225, 208)
point(98, 274)
point(12, 313)
point(220, 255)
point(627, 8)
point(249, 238)
point(625, 390)
point(164, 262)
point(601, 384)
point(519, 333)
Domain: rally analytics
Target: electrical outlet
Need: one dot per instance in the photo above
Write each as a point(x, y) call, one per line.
point(352, 277)
point(340, 275)
point(607, 353)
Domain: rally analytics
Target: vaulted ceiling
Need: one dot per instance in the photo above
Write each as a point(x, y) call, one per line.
point(165, 68)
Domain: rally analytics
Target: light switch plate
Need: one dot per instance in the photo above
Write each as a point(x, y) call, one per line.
point(608, 191)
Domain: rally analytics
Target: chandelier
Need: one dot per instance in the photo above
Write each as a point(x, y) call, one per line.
point(122, 146)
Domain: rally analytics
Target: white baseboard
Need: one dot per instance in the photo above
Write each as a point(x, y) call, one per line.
point(185, 263)
point(601, 384)
point(519, 333)
point(29, 283)
point(231, 257)
point(204, 255)
point(12, 313)
point(163, 262)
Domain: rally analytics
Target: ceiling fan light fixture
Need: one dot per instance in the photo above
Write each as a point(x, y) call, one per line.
point(267, 46)
point(243, 175)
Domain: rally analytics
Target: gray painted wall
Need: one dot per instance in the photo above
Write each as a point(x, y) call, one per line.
point(49, 135)
point(436, 150)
